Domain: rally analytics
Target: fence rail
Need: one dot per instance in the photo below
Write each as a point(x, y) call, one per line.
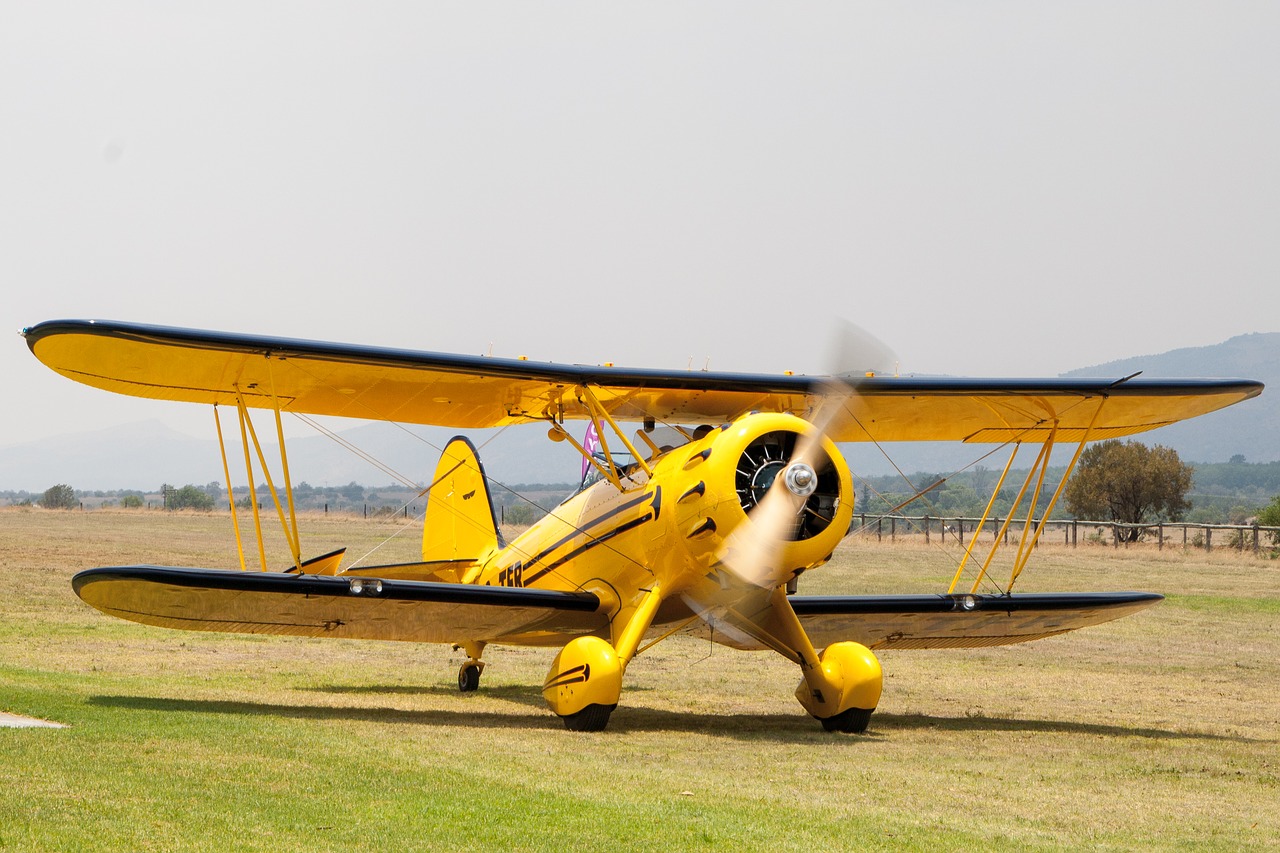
point(1240, 537)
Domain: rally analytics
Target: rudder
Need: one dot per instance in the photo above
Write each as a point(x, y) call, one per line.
point(459, 522)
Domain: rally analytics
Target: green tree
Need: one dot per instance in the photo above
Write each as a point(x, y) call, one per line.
point(1270, 517)
point(1130, 483)
point(1270, 514)
point(60, 496)
point(190, 497)
point(521, 513)
point(131, 501)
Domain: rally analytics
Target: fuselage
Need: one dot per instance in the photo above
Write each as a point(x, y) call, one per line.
point(673, 528)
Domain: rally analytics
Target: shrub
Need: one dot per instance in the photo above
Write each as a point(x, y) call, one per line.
point(60, 496)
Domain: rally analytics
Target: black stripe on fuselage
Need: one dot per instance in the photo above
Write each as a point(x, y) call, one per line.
point(655, 497)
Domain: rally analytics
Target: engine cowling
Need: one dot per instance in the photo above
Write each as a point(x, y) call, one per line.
point(732, 473)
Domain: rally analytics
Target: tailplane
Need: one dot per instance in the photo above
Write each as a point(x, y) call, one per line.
point(459, 523)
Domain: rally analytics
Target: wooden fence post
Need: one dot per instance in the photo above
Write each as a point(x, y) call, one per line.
point(926, 530)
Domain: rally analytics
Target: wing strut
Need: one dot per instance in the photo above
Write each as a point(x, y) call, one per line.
point(1025, 554)
point(290, 536)
point(600, 417)
point(296, 541)
point(986, 513)
point(231, 495)
point(1027, 542)
point(253, 495)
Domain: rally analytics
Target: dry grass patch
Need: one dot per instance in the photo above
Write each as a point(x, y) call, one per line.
point(1160, 729)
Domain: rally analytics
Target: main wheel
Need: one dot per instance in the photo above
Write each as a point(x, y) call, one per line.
point(592, 718)
point(853, 721)
point(468, 677)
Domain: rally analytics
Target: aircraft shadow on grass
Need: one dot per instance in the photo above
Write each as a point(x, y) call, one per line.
point(763, 727)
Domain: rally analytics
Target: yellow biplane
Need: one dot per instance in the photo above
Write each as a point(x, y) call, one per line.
point(699, 522)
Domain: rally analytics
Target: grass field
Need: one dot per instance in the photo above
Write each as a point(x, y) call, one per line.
point(1161, 730)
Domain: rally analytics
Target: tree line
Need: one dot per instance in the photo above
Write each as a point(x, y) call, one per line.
point(1122, 481)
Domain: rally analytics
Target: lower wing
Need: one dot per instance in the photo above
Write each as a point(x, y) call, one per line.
point(947, 621)
point(348, 607)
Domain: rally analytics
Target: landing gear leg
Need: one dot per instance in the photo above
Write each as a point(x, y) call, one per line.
point(843, 690)
point(585, 680)
point(841, 686)
point(584, 684)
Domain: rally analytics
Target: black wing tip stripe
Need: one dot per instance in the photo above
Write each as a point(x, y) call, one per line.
point(322, 585)
point(626, 377)
point(812, 605)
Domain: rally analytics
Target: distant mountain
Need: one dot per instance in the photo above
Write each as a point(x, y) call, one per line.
point(133, 456)
point(144, 455)
point(1251, 429)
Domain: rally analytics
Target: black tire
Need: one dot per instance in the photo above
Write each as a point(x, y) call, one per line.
point(592, 718)
point(469, 678)
point(853, 721)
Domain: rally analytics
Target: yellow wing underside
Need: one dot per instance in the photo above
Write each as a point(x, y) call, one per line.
point(313, 606)
point(474, 392)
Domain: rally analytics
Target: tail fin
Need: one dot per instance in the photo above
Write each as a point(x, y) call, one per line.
point(459, 523)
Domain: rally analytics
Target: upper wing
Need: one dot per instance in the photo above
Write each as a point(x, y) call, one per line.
point(474, 392)
point(343, 607)
point(958, 621)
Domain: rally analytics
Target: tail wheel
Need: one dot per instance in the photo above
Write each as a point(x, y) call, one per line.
point(469, 678)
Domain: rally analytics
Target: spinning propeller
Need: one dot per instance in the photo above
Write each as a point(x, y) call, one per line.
point(787, 474)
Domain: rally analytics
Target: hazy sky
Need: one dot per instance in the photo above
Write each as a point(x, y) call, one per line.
point(992, 188)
